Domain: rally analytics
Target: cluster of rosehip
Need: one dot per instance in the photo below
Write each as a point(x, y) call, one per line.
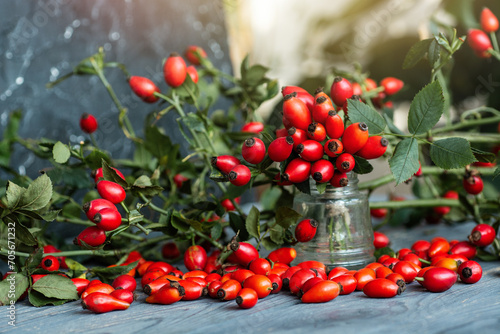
point(478, 39)
point(317, 133)
point(175, 71)
point(102, 211)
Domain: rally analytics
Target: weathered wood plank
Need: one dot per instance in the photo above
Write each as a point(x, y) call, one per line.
point(463, 309)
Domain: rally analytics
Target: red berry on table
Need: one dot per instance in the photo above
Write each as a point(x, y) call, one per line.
point(240, 175)
point(482, 235)
point(489, 22)
point(174, 70)
point(470, 272)
point(247, 298)
point(194, 53)
point(88, 123)
point(340, 91)
point(306, 230)
point(144, 88)
point(381, 288)
point(253, 150)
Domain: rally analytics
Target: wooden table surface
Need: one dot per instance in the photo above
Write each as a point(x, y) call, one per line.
point(462, 309)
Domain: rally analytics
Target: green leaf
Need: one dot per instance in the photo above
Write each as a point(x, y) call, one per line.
point(158, 143)
point(76, 268)
point(272, 89)
point(61, 153)
point(179, 223)
point(483, 156)
point(390, 124)
point(304, 187)
point(38, 194)
point(75, 177)
point(238, 224)
point(244, 66)
point(22, 233)
point(38, 300)
point(12, 128)
point(55, 286)
point(193, 121)
point(218, 176)
point(362, 166)
point(404, 162)
point(34, 260)
point(486, 256)
point(108, 274)
point(321, 187)
point(426, 109)
point(14, 193)
point(416, 53)
point(94, 159)
point(451, 153)
point(254, 75)
point(19, 282)
point(276, 233)
point(110, 174)
point(144, 185)
point(361, 112)
point(496, 173)
point(268, 244)
point(433, 53)
point(286, 217)
point(252, 223)
point(48, 216)
point(216, 231)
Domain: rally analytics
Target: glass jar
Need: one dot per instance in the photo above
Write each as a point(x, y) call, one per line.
point(344, 236)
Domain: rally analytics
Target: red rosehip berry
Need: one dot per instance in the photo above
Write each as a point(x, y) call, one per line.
point(489, 22)
point(280, 148)
point(174, 70)
point(355, 137)
point(144, 88)
point(253, 150)
point(194, 53)
point(340, 91)
point(482, 235)
point(88, 123)
point(240, 175)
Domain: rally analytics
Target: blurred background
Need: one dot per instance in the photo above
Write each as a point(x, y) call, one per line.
point(302, 42)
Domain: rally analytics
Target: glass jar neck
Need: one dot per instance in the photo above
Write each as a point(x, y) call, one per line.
point(330, 190)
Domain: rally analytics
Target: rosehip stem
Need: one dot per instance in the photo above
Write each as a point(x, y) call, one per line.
point(494, 41)
point(424, 261)
point(204, 237)
point(87, 223)
point(414, 203)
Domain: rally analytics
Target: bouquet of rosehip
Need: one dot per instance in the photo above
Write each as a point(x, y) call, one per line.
point(312, 130)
